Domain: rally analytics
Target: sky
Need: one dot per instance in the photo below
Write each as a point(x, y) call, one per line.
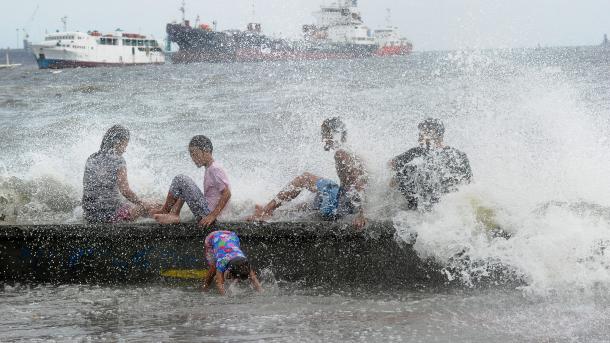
point(429, 24)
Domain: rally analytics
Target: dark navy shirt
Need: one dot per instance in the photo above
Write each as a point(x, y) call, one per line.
point(423, 174)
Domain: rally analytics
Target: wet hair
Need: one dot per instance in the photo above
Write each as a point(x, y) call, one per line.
point(434, 126)
point(335, 125)
point(201, 142)
point(113, 137)
point(239, 268)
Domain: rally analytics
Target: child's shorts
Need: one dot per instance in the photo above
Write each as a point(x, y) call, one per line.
point(331, 200)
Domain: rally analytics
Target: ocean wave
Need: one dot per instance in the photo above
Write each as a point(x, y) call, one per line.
point(39, 200)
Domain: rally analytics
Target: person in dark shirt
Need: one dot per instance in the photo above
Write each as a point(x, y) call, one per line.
point(425, 173)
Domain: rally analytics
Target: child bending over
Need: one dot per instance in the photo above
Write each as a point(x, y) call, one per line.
point(227, 261)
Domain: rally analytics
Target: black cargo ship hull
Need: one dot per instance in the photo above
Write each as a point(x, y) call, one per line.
point(197, 45)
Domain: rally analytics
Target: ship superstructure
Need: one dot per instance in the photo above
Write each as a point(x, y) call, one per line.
point(72, 49)
point(339, 23)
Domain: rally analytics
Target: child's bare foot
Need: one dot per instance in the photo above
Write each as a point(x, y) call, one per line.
point(156, 210)
point(260, 215)
point(167, 218)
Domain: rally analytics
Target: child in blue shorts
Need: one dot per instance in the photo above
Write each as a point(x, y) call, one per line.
point(333, 201)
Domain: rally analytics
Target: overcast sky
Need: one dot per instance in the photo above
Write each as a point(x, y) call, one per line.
point(430, 24)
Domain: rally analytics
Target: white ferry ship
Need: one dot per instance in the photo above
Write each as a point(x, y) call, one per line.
point(92, 49)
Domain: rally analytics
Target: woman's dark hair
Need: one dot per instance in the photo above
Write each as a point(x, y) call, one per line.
point(201, 142)
point(335, 125)
point(113, 137)
point(239, 268)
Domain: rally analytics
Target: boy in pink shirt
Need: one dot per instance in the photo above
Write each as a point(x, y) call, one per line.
point(206, 206)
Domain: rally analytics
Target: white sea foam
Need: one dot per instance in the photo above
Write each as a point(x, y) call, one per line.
point(540, 159)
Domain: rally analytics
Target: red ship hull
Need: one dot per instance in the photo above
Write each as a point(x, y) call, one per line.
point(394, 50)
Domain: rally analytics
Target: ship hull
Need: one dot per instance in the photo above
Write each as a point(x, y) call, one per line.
point(393, 51)
point(45, 63)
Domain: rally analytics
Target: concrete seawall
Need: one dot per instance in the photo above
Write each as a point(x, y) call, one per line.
point(313, 253)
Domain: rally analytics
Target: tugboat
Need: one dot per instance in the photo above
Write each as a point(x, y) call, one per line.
point(339, 32)
point(390, 42)
point(93, 49)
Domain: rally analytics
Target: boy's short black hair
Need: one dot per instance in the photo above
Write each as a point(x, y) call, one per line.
point(201, 142)
point(432, 125)
point(335, 125)
point(239, 268)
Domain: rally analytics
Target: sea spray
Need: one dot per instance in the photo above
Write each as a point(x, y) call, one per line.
point(539, 157)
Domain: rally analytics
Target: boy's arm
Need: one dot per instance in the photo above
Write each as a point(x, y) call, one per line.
point(222, 203)
point(359, 173)
point(255, 282)
point(220, 282)
point(208, 278)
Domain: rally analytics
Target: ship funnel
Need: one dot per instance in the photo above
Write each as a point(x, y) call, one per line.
point(255, 27)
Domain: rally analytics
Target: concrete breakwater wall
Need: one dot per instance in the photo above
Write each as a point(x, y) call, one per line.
point(309, 252)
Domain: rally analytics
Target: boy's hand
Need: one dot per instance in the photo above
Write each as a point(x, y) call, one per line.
point(207, 221)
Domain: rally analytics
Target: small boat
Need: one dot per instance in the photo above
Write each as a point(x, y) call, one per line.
point(93, 49)
point(390, 41)
point(8, 62)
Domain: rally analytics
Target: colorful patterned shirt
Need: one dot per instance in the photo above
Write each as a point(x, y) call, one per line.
point(221, 247)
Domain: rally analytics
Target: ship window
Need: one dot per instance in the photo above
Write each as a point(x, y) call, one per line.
point(140, 43)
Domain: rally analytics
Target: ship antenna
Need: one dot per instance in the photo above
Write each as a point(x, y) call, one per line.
point(183, 10)
point(64, 20)
point(388, 17)
point(253, 4)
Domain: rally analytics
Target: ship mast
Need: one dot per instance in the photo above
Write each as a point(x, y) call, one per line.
point(64, 20)
point(183, 10)
point(388, 18)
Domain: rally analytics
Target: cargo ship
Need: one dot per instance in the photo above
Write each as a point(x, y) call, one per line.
point(339, 33)
point(93, 49)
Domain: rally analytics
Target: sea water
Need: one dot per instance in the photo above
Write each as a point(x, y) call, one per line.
point(534, 124)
